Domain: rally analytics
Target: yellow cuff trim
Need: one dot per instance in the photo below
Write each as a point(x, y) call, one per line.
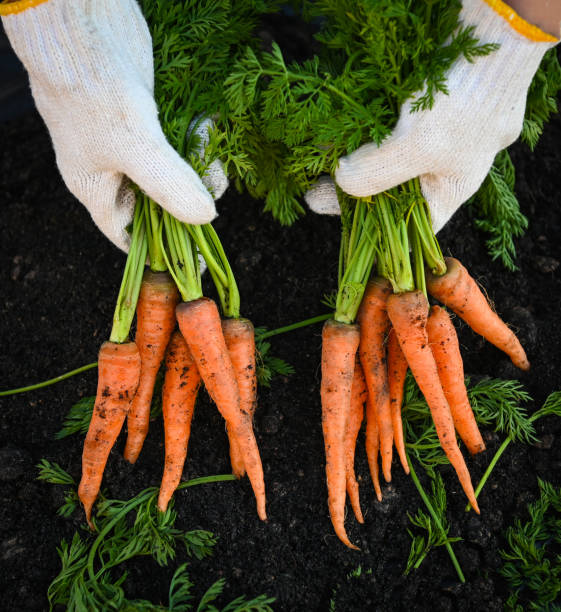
point(528, 30)
point(9, 7)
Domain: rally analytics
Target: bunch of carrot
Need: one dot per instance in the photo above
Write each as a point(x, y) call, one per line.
point(396, 329)
point(221, 353)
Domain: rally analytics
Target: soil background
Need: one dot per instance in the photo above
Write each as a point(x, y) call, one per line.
point(59, 278)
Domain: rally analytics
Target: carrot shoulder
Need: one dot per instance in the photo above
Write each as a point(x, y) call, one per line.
point(118, 376)
point(199, 322)
point(374, 325)
point(179, 393)
point(397, 371)
point(240, 340)
point(446, 350)
point(458, 291)
point(408, 313)
point(155, 322)
point(356, 416)
point(339, 347)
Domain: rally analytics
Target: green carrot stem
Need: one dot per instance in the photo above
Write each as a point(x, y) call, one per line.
point(394, 259)
point(436, 520)
point(132, 279)
point(490, 468)
point(181, 258)
point(154, 226)
point(418, 260)
point(362, 248)
point(421, 219)
point(51, 381)
point(211, 249)
point(293, 326)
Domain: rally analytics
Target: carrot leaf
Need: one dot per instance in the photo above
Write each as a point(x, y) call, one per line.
point(86, 580)
point(532, 562)
point(436, 535)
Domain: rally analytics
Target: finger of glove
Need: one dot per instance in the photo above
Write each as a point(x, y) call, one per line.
point(322, 197)
point(160, 172)
point(372, 169)
point(445, 194)
point(110, 202)
point(214, 179)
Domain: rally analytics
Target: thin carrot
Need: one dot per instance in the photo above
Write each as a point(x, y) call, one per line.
point(356, 416)
point(397, 371)
point(201, 327)
point(408, 313)
point(458, 291)
point(240, 340)
point(155, 314)
point(118, 376)
point(181, 385)
point(446, 350)
point(373, 445)
point(339, 347)
point(374, 324)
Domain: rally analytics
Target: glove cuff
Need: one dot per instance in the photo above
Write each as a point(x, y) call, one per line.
point(9, 7)
point(526, 29)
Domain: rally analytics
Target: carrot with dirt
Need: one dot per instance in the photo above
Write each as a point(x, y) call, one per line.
point(397, 371)
point(408, 313)
point(340, 341)
point(119, 367)
point(374, 325)
point(457, 290)
point(199, 322)
point(155, 314)
point(339, 347)
point(373, 446)
point(201, 326)
point(354, 421)
point(239, 336)
point(446, 350)
point(179, 393)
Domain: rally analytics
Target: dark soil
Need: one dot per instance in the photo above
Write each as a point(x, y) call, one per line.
point(59, 280)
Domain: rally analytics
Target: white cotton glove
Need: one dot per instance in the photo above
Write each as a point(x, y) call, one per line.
point(91, 71)
point(451, 147)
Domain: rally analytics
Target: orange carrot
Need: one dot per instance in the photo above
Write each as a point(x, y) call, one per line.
point(155, 314)
point(446, 350)
point(181, 385)
point(408, 313)
point(240, 340)
point(356, 415)
point(373, 445)
point(458, 291)
point(200, 325)
point(397, 371)
point(374, 324)
point(118, 376)
point(339, 347)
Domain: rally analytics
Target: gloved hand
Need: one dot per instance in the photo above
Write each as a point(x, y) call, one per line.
point(451, 147)
point(91, 71)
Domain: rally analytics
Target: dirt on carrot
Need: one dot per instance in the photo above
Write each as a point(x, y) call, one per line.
point(199, 322)
point(339, 347)
point(408, 313)
point(118, 376)
point(446, 350)
point(155, 313)
point(179, 393)
point(374, 325)
point(458, 291)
